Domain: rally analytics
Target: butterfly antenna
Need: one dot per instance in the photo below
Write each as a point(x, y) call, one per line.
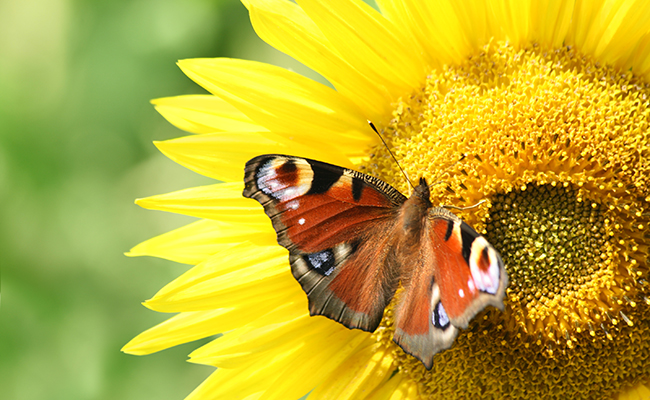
point(391, 153)
point(463, 208)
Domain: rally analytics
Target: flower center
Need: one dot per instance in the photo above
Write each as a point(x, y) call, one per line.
point(559, 146)
point(558, 254)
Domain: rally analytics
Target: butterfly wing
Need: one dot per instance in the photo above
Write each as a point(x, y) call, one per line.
point(325, 216)
point(422, 327)
point(457, 274)
point(469, 270)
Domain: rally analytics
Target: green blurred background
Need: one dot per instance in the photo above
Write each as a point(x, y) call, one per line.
point(76, 129)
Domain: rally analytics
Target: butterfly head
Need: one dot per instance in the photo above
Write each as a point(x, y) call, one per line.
point(414, 213)
point(422, 190)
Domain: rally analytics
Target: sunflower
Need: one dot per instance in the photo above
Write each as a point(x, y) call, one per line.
point(539, 108)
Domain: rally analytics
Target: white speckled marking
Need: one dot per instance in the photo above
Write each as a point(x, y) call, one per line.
point(486, 281)
point(443, 318)
point(267, 179)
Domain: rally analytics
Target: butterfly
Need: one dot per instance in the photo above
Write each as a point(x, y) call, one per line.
point(353, 240)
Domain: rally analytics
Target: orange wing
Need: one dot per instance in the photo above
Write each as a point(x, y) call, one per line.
point(338, 227)
point(457, 273)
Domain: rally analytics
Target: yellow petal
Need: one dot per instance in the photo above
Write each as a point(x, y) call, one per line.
point(407, 389)
point(515, 20)
point(546, 22)
point(285, 26)
point(639, 392)
point(609, 30)
point(223, 156)
point(284, 101)
point(396, 388)
point(199, 297)
point(182, 328)
point(289, 321)
point(240, 382)
point(639, 60)
point(477, 24)
point(372, 44)
point(286, 328)
point(274, 371)
point(193, 325)
point(358, 376)
point(204, 114)
point(628, 23)
point(584, 15)
point(550, 21)
point(225, 279)
point(643, 391)
point(222, 201)
point(320, 355)
point(437, 26)
point(199, 240)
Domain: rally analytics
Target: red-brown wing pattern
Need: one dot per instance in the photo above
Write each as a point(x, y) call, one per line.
point(469, 270)
point(314, 205)
point(325, 215)
point(352, 282)
point(457, 273)
point(422, 327)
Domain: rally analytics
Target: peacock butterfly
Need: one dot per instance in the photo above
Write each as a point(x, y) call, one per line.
point(353, 239)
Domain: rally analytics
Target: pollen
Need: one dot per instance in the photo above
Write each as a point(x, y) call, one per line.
point(559, 147)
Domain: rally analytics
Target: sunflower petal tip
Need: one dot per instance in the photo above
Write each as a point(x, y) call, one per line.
point(149, 304)
point(164, 147)
point(185, 62)
point(158, 143)
point(126, 349)
point(134, 348)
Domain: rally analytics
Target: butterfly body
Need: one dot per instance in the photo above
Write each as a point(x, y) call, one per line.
point(353, 240)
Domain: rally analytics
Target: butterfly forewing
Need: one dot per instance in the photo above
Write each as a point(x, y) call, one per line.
point(331, 220)
point(469, 271)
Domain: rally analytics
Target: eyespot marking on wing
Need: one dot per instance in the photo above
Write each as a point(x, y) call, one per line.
point(285, 179)
point(439, 317)
point(322, 262)
point(485, 266)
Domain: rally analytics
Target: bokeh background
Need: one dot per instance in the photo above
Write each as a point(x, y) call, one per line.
point(76, 132)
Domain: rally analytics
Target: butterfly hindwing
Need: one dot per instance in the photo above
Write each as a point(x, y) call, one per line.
point(464, 274)
point(325, 216)
point(422, 326)
point(353, 287)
